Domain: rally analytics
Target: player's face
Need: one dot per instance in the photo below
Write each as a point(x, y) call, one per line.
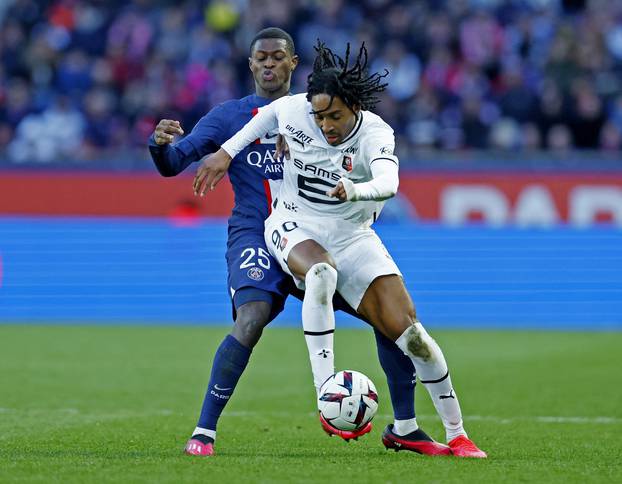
point(272, 66)
point(335, 119)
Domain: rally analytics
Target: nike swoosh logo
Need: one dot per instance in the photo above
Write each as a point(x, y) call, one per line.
point(270, 136)
point(221, 389)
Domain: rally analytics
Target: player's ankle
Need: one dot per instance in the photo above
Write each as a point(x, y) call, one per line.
point(204, 439)
point(204, 435)
point(451, 434)
point(405, 427)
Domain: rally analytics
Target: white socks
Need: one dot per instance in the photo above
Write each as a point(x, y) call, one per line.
point(433, 373)
point(405, 427)
point(206, 432)
point(318, 320)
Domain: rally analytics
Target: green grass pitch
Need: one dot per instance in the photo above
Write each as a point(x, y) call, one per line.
point(116, 404)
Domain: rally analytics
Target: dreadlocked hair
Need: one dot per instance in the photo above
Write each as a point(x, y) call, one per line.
point(333, 75)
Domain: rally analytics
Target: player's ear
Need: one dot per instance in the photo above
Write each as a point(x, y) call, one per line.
point(250, 63)
point(295, 60)
point(356, 108)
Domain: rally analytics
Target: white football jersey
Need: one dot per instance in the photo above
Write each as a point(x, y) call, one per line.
point(315, 166)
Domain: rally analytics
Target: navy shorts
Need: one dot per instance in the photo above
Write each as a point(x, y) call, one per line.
point(254, 275)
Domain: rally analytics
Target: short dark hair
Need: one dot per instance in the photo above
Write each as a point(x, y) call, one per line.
point(274, 33)
point(331, 75)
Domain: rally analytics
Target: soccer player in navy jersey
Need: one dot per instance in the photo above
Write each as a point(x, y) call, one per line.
point(258, 286)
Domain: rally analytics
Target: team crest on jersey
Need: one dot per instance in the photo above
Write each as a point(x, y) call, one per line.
point(346, 164)
point(255, 273)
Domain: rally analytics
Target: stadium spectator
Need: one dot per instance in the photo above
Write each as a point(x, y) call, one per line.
point(53, 134)
point(459, 70)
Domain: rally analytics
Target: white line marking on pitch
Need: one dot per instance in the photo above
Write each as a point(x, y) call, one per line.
point(125, 413)
point(467, 418)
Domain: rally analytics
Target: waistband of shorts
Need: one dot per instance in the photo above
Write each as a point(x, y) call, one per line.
point(279, 208)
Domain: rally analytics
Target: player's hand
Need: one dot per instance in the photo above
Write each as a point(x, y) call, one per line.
point(282, 148)
point(344, 190)
point(166, 130)
point(211, 171)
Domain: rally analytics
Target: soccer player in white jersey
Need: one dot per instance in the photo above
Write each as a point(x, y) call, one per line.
point(340, 171)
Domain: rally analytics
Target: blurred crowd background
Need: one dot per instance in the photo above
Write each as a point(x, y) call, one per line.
point(82, 81)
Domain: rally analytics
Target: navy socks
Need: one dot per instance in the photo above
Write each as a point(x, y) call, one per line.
point(400, 373)
point(229, 363)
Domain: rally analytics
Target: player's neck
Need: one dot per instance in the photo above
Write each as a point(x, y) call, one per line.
point(284, 91)
point(356, 122)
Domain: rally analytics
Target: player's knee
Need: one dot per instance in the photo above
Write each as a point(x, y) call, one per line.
point(401, 312)
point(248, 331)
point(394, 315)
point(249, 325)
point(321, 279)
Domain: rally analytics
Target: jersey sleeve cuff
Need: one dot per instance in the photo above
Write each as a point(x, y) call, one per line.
point(152, 142)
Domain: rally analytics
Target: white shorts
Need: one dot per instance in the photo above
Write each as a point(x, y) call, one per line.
point(358, 252)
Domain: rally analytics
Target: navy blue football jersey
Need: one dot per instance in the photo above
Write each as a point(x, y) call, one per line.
point(254, 175)
point(252, 172)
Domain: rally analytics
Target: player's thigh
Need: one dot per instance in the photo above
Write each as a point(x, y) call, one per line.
point(258, 306)
point(370, 281)
point(388, 306)
point(361, 258)
point(305, 255)
point(294, 243)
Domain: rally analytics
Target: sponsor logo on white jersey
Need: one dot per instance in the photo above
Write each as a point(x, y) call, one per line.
point(313, 169)
point(298, 134)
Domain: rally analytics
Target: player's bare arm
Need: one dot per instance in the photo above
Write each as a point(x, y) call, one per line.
point(166, 130)
point(211, 171)
point(282, 148)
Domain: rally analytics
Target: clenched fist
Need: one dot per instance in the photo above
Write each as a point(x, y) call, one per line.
point(166, 130)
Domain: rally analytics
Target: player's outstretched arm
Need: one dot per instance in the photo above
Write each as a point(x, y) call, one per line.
point(263, 122)
point(211, 171)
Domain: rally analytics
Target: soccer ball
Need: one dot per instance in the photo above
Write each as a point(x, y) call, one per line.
point(348, 400)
